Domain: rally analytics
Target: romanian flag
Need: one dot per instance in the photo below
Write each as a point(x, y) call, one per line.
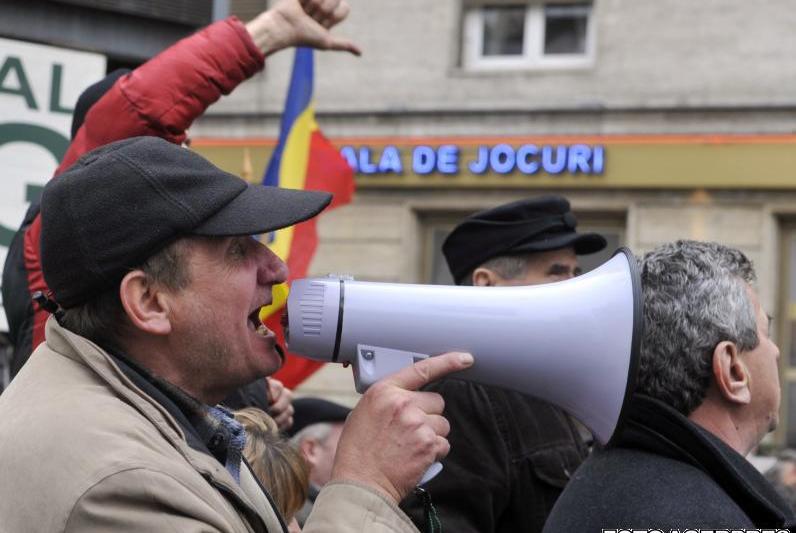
point(303, 159)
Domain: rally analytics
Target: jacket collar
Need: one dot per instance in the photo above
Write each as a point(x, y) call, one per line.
point(655, 427)
point(248, 496)
point(202, 425)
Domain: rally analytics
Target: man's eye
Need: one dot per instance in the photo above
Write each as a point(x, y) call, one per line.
point(238, 249)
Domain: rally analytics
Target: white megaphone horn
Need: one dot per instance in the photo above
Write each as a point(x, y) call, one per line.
point(573, 343)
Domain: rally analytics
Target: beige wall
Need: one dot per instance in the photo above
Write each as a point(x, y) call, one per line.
point(674, 53)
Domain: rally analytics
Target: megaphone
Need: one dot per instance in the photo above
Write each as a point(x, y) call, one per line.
point(573, 343)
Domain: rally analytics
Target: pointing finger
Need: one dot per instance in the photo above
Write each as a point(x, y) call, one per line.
point(343, 45)
point(431, 369)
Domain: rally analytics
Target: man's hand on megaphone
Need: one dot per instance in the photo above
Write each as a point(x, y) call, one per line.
point(396, 432)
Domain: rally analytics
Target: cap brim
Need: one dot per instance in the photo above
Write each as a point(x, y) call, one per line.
point(583, 243)
point(309, 411)
point(260, 209)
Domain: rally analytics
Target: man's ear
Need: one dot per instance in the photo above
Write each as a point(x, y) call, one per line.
point(483, 277)
point(730, 373)
point(146, 306)
point(308, 451)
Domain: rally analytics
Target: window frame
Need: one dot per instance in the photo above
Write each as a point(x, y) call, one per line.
point(533, 56)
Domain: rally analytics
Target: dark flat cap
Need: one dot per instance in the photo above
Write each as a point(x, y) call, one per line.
point(309, 411)
point(91, 96)
point(122, 203)
point(534, 224)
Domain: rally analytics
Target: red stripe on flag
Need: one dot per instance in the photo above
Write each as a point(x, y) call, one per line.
point(327, 170)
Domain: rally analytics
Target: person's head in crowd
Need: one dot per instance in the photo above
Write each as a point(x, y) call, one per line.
point(706, 349)
point(174, 280)
point(317, 426)
point(91, 96)
point(783, 476)
point(527, 242)
point(276, 462)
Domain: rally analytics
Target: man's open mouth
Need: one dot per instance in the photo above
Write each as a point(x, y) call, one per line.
point(257, 325)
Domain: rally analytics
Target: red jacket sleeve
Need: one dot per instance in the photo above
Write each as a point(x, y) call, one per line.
point(166, 94)
point(162, 98)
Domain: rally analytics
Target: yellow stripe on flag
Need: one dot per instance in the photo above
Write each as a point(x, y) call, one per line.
point(292, 175)
point(293, 170)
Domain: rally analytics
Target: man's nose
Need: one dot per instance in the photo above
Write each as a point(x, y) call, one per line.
point(272, 270)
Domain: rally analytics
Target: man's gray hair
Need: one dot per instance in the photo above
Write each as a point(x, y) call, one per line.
point(103, 319)
point(318, 432)
point(507, 266)
point(695, 296)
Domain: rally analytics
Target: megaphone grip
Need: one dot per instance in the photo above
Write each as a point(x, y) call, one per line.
point(431, 473)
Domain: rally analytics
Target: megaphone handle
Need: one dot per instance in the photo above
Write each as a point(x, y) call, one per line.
point(431, 473)
point(373, 363)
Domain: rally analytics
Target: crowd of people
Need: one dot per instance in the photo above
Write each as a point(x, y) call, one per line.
point(141, 399)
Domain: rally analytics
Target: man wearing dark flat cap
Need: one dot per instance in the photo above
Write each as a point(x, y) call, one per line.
point(155, 287)
point(511, 454)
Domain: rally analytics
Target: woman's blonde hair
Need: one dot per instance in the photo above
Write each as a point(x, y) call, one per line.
point(276, 462)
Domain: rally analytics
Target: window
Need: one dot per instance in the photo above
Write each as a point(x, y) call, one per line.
point(528, 36)
point(565, 29)
point(503, 30)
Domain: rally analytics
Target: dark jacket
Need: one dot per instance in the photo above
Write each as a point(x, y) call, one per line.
point(510, 457)
point(666, 472)
point(161, 98)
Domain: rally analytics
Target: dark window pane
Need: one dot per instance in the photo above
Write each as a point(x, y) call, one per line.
point(565, 29)
point(792, 269)
point(440, 274)
point(504, 30)
point(792, 358)
point(791, 433)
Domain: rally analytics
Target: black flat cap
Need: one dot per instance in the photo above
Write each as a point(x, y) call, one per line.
point(534, 224)
point(309, 411)
point(91, 96)
point(120, 204)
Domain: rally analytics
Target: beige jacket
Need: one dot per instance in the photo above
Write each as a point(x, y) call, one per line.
point(82, 449)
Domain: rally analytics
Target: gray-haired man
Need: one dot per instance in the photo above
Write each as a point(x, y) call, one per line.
point(708, 392)
point(316, 433)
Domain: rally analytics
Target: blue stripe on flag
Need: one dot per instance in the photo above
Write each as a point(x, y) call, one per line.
point(299, 96)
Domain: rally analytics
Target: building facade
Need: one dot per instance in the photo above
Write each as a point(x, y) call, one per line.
point(658, 119)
